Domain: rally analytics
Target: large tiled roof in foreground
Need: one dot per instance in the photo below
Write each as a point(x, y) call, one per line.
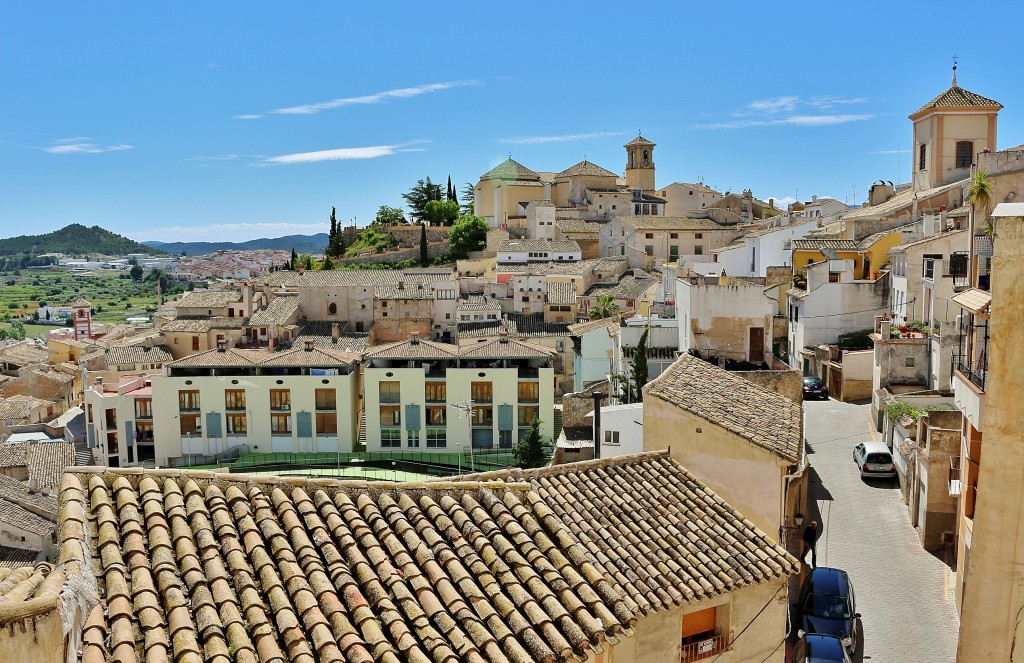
point(662, 536)
point(760, 416)
point(199, 566)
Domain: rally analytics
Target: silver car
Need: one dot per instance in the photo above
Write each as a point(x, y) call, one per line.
point(874, 460)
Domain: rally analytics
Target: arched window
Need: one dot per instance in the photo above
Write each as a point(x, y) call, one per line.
point(332, 309)
point(647, 158)
point(632, 158)
point(964, 153)
point(921, 161)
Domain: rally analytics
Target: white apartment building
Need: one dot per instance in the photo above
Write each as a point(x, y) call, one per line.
point(421, 396)
point(755, 252)
point(538, 250)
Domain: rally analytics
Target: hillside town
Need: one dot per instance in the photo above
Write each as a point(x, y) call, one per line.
point(590, 439)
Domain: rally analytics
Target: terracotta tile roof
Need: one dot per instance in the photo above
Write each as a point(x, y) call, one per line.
point(578, 226)
point(39, 503)
point(538, 245)
point(760, 416)
point(279, 311)
point(629, 287)
point(506, 348)
point(47, 462)
point(27, 582)
point(320, 332)
point(208, 299)
point(696, 187)
point(671, 223)
point(478, 303)
point(195, 325)
point(369, 277)
point(956, 97)
point(639, 140)
point(561, 293)
point(80, 302)
point(581, 328)
point(518, 325)
point(199, 567)
point(24, 353)
point(796, 293)
point(653, 527)
point(819, 244)
point(903, 201)
point(137, 354)
point(407, 291)
point(13, 454)
point(510, 170)
point(15, 558)
point(585, 169)
point(322, 357)
point(15, 515)
point(18, 408)
point(420, 349)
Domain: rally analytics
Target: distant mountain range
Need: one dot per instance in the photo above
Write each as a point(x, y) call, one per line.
point(301, 244)
point(74, 240)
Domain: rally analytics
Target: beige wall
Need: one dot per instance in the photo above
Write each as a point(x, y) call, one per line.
point(747, 477)
point(32, 633)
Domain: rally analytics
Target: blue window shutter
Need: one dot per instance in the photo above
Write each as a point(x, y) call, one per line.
point(213, 425)
point(129, 434)
point(304, 421)
point(504, 417)
point(412, 417)
point(90, 435)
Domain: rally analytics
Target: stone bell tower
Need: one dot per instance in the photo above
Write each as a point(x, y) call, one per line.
point(640, 164)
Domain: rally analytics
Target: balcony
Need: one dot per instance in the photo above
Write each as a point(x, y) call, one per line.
point(954, 475)
point(702, 649)
point(958, 268)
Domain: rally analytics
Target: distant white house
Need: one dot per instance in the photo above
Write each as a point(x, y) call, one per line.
point(752, 254)
point(622, 429)
point(538, 250)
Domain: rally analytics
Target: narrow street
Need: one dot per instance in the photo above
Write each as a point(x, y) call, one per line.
point(904, 594)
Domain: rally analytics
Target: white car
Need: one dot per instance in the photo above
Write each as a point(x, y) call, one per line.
point(874, 460)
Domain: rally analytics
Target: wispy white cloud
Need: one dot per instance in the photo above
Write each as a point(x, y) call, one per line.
point(344, 153)
point(212, 65)
point(782, 202)
point(238, 232)
point(564, 138)
point(82, 145)
point(890, 152)
point(792, 111)
point(247, 116)
point(375, 98)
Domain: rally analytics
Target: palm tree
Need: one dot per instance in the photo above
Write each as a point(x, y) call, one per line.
point(605, 308)
point(979, 194)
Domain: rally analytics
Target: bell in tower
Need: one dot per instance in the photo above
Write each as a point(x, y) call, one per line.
point(640, 164)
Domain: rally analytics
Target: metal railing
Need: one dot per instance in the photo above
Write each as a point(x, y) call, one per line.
point(975, 373)
point(701, 649)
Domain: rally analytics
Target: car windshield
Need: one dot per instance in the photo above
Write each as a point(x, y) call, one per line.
point(826, 606)
point(879, 458)
point(812, 382)
point(824, 650)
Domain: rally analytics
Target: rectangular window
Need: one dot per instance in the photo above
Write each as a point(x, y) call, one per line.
point(649, 250)
point(143, 408)
point(237, 424)
point(480, 392)
point(326, 423)
point(649, 236)
point(611, 437)
point(922, 158)
point(698, 235)
point(636, 210)
point(529, 392)
point(195, 342)
point(698, 250)
point(190, 424)
point(326, 399)
point(390, 392)
point(234, 399)
point(437, 438)
point(390, 415)
point(413, 437)
point(527, 414)
point(673, 251)
point(390, 438)
point(280, 399)
point(673, 235)
point(483, 415)
point(435, 392)
point(188, 400)
point(437, 416)
point(280, 424)
point(964, 153)
point(833, 277)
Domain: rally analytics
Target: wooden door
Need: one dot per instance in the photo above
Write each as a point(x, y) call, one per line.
point(756, 352)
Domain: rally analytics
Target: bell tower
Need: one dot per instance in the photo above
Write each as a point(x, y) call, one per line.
point(81, 313)
point(640, 164)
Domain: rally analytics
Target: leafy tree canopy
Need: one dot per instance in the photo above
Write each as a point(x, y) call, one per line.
point(530, 452)
point(418, 196)
point(604, 308)
point(441, 212)
point(469, 233)
point(390, 216)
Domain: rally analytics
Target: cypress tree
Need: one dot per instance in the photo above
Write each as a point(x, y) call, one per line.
point(639, 366)
point(424, 252)
point(332, 237)
point(293, 263)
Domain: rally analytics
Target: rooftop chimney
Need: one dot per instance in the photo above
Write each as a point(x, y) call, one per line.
point(335, 331)
point(414, 338)
point(598, 397)
point(309, 345)
point(503, 336)
point(401, 285)
point(222, 345)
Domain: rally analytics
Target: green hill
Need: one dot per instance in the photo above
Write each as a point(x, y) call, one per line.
point(74, 240)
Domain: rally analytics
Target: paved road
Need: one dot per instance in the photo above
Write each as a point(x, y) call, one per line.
point(905, 594)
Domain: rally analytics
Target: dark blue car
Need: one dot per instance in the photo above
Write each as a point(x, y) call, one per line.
point(818, 648)
point(828, 606)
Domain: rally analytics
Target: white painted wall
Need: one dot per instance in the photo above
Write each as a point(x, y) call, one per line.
point(622, 429)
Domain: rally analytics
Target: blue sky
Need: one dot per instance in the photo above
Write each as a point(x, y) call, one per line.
point(230, 120)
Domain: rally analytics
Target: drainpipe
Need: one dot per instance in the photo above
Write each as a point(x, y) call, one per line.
point(598, 397)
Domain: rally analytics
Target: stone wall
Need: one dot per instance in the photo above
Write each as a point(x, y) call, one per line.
point(943, 441)
point(433, 250)
point(788, 383)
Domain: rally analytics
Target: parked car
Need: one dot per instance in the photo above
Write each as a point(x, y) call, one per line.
point(820, 648)
point(815, 388)
point(827, 606)
point(874, 460)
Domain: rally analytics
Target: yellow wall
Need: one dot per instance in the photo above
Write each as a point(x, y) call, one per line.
point(877, 254)
point(31, 638)
point(747, 477)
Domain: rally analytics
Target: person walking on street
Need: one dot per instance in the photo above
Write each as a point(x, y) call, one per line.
point(810, 542)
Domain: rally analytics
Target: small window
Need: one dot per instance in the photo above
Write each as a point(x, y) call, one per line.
point(964, 153)
point(698, 235)
point(332, 309)
point(611, 437)
point(922, 157)
point(833, 277)
point(910, 362)
point(698, 250)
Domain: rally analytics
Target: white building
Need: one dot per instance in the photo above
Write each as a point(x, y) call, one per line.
point(727, 317)
point(597, 351)
point(422, 396)
point(754, 253)
point(538, 250)
point(622, 429)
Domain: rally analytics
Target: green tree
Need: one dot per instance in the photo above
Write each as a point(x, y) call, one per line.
point(307, 261)
point(327, 263)
point(17, 330)
point(469, 233)
point(638, 367)
point(332, 236)
point(604, 308)
point(418, 196)
point(424, 249)
point(294, 262)
point(441, 212)
point(979, 194)
point(468, 196)
point(135, 272)
point(390, 216)
point(530, 451)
